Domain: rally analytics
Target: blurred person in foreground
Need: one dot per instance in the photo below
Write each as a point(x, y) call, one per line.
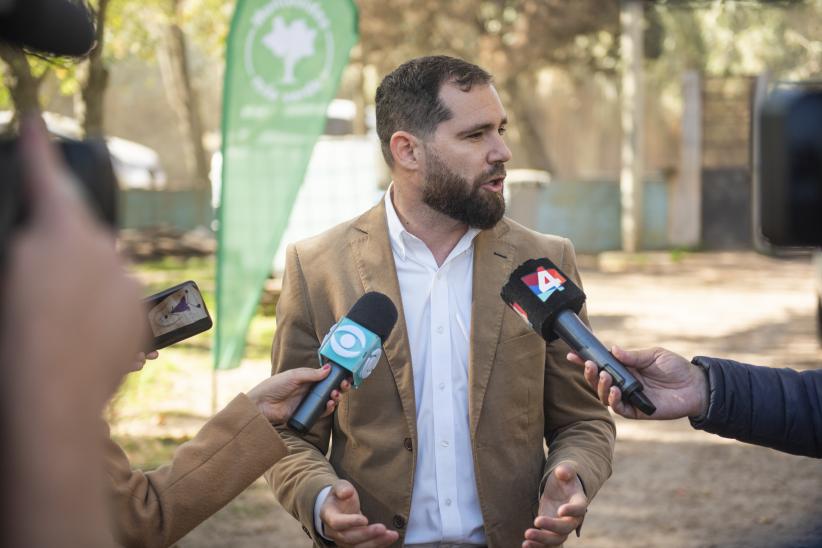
point(444, 442)
point(71, 322)
point(70, 326)
point(63, 291)
point(776, 408)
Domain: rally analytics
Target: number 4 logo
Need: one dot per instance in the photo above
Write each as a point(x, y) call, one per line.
point(549, 280)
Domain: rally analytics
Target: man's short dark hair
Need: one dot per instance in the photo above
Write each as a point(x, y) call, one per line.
point(408, 98)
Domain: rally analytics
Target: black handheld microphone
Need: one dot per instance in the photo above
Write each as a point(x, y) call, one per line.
point(352, 348)
point(549, 301)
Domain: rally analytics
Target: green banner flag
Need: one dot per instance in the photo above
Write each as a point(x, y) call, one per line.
point(283, 65)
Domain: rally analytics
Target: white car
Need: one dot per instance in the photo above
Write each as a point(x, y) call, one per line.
point(135, 165)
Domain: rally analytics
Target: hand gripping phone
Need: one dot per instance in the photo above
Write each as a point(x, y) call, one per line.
point(175, 314)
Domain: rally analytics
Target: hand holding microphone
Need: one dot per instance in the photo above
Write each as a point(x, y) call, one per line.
point(679, 388)
point(545, 298)
point(352, 348)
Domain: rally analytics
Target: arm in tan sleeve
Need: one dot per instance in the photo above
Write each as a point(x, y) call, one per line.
point(578, 427)
point(297, 479)
point(157, 508)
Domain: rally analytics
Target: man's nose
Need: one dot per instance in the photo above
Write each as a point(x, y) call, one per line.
point(500, 153)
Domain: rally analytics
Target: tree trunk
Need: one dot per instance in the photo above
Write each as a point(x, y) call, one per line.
point(23, 86)
point(174, 67)
point(93, 76)
point(532, 142)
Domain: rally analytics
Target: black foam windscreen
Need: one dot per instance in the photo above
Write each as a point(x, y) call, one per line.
point(375, 312)
point(538, 291)
point(59, 27)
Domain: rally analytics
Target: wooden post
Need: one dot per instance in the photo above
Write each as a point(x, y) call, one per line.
point(630, 180)
point(686, 199)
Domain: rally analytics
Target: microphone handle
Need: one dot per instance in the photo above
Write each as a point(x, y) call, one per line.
point(313, 404)
point(577, 335)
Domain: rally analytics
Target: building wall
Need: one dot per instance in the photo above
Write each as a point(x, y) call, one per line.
point(179, 209)
point(588, 213)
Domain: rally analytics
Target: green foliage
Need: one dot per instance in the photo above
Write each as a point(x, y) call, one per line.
point(731, 38)
point(149, 453)
point(207, 23)
point(160, 274)
point(739, 38)
point(134, 28)
point(5, 96)
point(679, 254)
point(509, 37)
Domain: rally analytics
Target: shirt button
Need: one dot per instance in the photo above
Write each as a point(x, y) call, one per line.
point(448, 502)
point(442, 386)
point(440, 329)
point(444, 443)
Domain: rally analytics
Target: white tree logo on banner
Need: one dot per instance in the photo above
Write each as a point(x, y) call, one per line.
point(292, 43)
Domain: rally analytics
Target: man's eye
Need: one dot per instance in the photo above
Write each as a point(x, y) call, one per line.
point(502, 131)
point(475, 136)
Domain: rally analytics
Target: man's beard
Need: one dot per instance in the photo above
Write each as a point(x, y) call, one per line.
point(452, 195)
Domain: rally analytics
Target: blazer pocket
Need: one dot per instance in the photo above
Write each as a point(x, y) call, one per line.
point(515, 392)
point(521, 347)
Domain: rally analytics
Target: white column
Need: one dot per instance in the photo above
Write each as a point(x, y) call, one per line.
point(685, 206)
point(630, 180)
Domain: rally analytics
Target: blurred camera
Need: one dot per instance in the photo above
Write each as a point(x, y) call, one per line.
point(90, 163)
point(790, 199)
point(52, 27)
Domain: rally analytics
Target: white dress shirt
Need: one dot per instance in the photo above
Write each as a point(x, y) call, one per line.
point(437, 304)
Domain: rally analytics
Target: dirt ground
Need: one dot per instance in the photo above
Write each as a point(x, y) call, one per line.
point(671, 486)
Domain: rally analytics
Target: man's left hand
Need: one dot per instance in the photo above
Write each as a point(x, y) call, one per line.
point(562, 508)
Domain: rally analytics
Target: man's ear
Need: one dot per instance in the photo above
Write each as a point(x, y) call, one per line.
point(406, 149)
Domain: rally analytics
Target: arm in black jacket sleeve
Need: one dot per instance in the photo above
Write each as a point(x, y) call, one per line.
point(776, 408)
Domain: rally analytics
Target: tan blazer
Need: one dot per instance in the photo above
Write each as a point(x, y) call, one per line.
point(157, 508)
point(521, 391)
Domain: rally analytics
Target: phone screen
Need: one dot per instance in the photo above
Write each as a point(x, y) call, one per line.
point(176, 314)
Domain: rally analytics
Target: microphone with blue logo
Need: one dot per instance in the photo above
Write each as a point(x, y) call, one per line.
point(352, 347)
point(545, 298)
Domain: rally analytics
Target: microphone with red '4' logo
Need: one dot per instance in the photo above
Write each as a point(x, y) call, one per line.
point(545, 298)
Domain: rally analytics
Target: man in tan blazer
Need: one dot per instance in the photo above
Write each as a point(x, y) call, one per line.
point(444, 442)
point(234, 448)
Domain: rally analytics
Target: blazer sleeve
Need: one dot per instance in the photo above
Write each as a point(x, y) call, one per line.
point(157, 508)
point(297, 479)
point(578, 428)
point(776, 408)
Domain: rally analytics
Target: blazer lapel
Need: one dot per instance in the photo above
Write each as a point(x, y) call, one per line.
point(371, 248)
point(493, 258)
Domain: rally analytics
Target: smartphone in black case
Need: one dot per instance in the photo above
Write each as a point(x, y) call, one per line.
point(175, 314)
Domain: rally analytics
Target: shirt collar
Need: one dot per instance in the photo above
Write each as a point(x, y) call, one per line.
point(398, 235)
point(395, 228)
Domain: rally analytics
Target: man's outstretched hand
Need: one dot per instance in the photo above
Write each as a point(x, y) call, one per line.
point(562, 508)
point(345, 524)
